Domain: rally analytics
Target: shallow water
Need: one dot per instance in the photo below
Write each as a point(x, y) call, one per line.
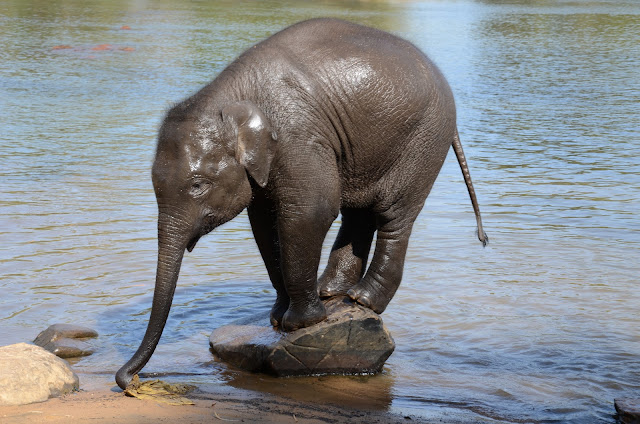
point(539, 326)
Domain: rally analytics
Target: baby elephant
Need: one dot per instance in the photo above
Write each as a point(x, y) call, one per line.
point(324, 117)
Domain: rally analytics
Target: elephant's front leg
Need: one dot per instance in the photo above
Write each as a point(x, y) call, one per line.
point(301, 240)
point(305, 214)
point(263, 220)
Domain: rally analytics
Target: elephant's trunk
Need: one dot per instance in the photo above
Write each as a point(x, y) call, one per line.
point(173, 236)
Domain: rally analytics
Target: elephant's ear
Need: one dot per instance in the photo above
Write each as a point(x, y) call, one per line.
point(256, 140)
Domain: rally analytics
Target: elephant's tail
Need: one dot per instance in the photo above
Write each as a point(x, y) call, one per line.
point(462, 160)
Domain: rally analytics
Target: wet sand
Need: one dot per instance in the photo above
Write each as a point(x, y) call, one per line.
point(249, 398)
point(106, 406)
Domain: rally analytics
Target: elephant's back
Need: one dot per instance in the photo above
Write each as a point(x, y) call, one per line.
point(365, 72)
point(331, 37)
point(351, 64)
point(350, 52)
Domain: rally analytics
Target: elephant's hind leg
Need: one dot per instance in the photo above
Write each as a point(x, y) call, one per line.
point(348, 259)
point(377, 287)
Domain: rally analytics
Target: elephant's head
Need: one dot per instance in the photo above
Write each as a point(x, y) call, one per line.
point(201, 175)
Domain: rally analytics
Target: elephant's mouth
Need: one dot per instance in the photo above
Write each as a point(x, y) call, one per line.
point(192, 243)
point(210, 223)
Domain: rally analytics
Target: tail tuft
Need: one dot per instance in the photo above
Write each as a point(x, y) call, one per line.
point(484, 238)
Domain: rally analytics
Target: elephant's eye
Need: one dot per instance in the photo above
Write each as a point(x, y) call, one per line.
point(199, 187)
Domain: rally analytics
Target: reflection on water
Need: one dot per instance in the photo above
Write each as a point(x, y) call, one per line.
point(541, 325)
point(362, 392)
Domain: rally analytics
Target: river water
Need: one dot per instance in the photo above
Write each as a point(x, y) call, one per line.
point(540, 326)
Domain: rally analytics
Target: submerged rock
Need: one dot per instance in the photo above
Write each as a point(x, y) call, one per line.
point(30, 374)
point(352, 340)
point(66, 340)
point(628, 410)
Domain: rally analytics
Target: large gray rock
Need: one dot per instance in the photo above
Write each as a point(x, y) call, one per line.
point(31, 374)
point(628, 410)
point(66, 340)
point(352, 340)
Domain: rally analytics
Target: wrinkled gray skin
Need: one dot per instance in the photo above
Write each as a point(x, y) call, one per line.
point(321, 118)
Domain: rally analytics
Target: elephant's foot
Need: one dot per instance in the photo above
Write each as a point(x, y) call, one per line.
point(301, 317)
point(371, 294)
point(278, 310)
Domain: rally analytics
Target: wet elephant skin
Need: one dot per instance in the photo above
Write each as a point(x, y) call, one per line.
point(323, 117)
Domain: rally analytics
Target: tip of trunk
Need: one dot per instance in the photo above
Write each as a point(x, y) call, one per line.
point(124, 377)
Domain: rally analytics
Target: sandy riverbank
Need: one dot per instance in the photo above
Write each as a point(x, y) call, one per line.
point(108, 405)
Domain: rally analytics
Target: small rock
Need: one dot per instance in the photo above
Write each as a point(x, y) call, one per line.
point(352, 340)
point(66, 341)
point(30, 374)
point(628, 410)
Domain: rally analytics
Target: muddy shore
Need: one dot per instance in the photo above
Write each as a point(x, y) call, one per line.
point(111, 406)
point(100, 401)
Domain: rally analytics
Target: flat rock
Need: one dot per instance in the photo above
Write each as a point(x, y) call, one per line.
point(66, 340)
point(31, 374)
point(628, 410)
point(352, 340)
